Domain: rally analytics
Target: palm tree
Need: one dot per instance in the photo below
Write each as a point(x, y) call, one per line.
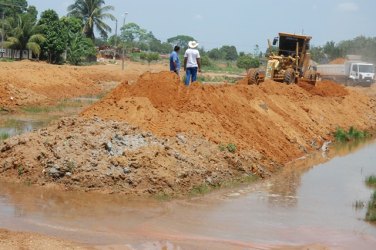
point(92, 13)
point(25, 35)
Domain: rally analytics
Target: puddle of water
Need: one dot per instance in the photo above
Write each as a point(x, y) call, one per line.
point(39, 117)
point(303, 205)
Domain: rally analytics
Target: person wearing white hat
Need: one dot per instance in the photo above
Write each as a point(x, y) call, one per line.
point(192, 62)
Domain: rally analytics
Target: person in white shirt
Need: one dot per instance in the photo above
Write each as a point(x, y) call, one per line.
point(192, 62)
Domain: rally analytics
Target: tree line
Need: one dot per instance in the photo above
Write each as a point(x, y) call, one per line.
point(361, 45)
point(72, 37)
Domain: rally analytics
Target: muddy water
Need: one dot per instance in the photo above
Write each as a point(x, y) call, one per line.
point(23, 122)
point(311, 202)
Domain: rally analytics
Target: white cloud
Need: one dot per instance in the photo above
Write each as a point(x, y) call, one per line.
point(348, 7)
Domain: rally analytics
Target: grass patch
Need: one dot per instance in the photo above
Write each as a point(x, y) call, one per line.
point(371, 181)
point(202, 189)
point(342, 135)
point(4, 136)
point(231, 147)
point(59, 107)
point(223, 67)
point(36, 109)
point(163, 197)
point(7, 60)
point(371, 211)
point(227, 79)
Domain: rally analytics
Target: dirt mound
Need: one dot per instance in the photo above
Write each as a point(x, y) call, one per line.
point(280, 121)
point(324, 88)
point(37, 83)
point(110, 156)
point(339, 60)
point(157, 136)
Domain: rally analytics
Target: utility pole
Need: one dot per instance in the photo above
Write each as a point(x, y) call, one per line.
point(2, 35)
point(122, 58)
point(115, 39)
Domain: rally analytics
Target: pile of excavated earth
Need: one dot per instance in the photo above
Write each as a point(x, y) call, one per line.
point(156, 136)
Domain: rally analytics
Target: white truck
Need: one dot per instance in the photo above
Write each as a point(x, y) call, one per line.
point(350, 73)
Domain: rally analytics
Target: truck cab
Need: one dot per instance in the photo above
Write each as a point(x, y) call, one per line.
point(361, 72)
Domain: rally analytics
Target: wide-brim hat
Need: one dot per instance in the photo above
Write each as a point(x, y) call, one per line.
point(192, 44)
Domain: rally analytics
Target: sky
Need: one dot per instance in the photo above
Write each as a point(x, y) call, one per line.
point(242, 23)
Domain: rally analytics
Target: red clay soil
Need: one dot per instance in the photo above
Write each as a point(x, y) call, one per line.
point(339, 60)
point(280, 121)
point(25, 83)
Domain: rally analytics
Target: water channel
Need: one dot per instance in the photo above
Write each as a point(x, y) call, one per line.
point(310, 202)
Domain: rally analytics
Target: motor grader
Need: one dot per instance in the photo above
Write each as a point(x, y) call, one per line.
point(291, 62)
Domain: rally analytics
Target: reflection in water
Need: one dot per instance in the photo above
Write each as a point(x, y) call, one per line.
point(302, 205)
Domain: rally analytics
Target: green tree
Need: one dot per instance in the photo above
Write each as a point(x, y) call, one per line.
point(92, 13)
point(216, 54)
point(25, 35)
point(58, 34)
point(80, 49)
point(331, 50)
point(205, 61)
point(132, 32)
point(247, 62)
point(318, 55)
point(12, 8)
point(149, 57)
point(230, 52)
point(181, 41)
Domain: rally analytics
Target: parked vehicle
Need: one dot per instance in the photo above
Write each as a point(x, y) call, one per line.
point(350, 73)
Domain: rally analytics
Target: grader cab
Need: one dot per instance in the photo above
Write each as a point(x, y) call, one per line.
point(291, 62)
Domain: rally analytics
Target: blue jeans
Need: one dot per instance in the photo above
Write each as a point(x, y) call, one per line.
point(190, 72)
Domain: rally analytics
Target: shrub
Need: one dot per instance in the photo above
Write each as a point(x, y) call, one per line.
point(371, 211)
point(352, 134)
point(4, 136)
point(231, 148)
point(247, 62)
point(371, 180)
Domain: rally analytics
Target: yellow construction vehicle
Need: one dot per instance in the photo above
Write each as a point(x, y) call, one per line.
point(290, 63)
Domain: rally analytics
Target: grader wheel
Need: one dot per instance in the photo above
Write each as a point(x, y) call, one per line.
point(254, 77)
point(289, 76)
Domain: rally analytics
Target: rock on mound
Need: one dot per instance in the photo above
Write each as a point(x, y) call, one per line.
point(280, 121)
point(111, 156)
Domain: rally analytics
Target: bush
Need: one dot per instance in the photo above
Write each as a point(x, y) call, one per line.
point(353, 134)
point(371, 211)
point(149, 57)
point(247, 62)
point(80, 49)
point(371, 180)
point(231, 148)
point(205, 61)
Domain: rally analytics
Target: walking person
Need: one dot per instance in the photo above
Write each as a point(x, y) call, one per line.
point(192, 62)
point(175, 61)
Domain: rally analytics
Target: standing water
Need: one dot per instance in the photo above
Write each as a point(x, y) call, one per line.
point(301, 206)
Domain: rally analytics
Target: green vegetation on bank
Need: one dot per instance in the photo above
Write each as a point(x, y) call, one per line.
point(371, 181)
point(371, 209)
point(342, 135)
point(4, 136)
